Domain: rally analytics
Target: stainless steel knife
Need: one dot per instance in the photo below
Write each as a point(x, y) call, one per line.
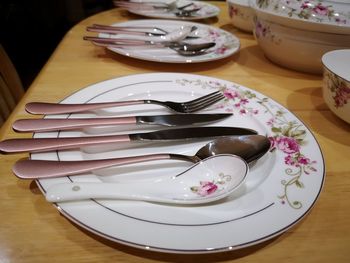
point(44, 125)
point(50, 144)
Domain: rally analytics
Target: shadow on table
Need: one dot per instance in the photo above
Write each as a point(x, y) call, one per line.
point(322, 120)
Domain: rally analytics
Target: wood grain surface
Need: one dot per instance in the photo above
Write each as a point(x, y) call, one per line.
point(32, 230)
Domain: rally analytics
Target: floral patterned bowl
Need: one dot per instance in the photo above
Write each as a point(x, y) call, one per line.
point(331, 16)
point(294, 48)
point(241, 14)
point(336, 82)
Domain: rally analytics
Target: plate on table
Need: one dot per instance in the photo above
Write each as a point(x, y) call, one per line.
point(280, 190)
point(207, 10)
point(226, 43)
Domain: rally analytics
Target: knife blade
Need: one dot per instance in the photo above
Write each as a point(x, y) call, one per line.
point(45, 125)
point(50, 144)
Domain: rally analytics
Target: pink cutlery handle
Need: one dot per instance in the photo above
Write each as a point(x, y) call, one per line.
point(38, 169)
point(56, 108)
point(106, 40)
point(115, 31)
point(151, 28)
point(42, 125)
point(51, 144)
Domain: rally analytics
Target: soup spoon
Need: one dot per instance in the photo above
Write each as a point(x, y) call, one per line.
point(206, 181)
point(248, 147)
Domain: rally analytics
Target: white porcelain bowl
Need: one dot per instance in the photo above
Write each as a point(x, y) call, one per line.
point(331, 16)
point(241, 14)
point(297, 43)
point(336, 82)
point(297, 49)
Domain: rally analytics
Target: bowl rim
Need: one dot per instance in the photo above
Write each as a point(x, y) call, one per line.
point(298, 22)
point(328, 63)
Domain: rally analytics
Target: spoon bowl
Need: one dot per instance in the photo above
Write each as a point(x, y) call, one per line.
point(186, 49)
point(248, 147)
point(178, 34)
point(186, 13)
point(206, 181)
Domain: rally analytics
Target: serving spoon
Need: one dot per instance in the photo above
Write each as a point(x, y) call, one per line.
point(206, 181)
point(248, 147)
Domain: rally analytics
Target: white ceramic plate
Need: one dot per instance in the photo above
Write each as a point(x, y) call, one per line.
point(226, 43)
point(280, 190)
point(207, 10)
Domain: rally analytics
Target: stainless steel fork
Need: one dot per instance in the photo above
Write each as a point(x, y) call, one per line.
point(180, 107)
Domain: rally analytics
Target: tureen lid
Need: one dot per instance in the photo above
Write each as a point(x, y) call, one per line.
point(328, 15)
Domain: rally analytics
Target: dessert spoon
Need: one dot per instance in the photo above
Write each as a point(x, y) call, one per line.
point(248, 147)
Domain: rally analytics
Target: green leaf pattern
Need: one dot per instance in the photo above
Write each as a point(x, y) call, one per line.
point(286, 136)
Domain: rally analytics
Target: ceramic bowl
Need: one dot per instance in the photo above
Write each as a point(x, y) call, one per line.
point(294, 48)
point(241, 14)
point(295, 42)
point(331, 16)
point(336, 82)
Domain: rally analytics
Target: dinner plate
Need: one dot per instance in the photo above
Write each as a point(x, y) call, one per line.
point(207, 10)
point(280, 190)
point(226, 43)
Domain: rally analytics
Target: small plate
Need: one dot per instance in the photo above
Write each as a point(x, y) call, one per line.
point(226, 43)
point(207, 10)
point(280, 190)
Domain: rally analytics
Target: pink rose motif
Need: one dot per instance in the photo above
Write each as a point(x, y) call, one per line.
point(260, 30)
point(321, 10)
point(340, 21)
point(305, 5)
point(271, 122)
point(287, 145)
point(290, 160)
point(231, 94)
point(233, 11)
point(205, 188)
point(341, 96)
point(273, 142)
point(221, 50)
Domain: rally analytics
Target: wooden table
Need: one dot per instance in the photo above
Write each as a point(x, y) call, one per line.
point(32, 230)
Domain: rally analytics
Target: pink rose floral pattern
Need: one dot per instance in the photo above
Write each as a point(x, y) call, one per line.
point(339, 89)
point(286, 136)
point(223, 40)
point(264, 31)
point(206, 188)
point(315, 10)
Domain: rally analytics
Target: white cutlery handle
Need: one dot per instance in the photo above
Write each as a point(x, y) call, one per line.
point(43, 125)
point(82, 191)
point(39, 169)
point(51, 144)
point(56, 108)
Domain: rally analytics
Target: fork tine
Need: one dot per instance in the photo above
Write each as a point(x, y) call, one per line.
point(204, 104)
point(203, 98)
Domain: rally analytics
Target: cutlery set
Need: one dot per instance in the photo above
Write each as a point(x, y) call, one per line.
point(179, 11)
point(236, 144)
point(230, 151)
point(155, 37)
